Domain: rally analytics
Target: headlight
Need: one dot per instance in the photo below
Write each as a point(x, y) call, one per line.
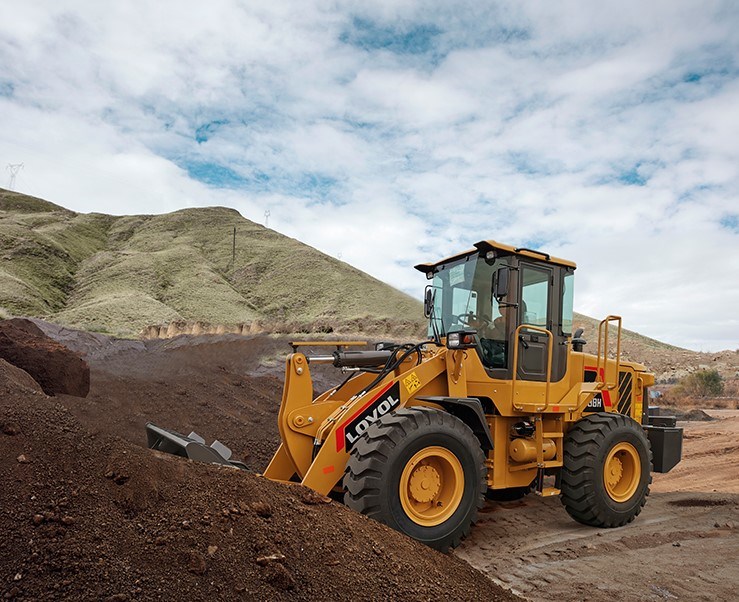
point(461, 339)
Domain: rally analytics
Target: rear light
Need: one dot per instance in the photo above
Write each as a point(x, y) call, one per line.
point(461, 339)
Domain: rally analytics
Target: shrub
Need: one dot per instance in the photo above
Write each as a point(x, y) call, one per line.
point(703, 383)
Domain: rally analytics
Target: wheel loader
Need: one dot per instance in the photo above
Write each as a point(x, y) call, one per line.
point(500, 401)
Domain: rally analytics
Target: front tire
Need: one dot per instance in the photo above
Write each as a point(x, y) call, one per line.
point(420, 471)
point(607, 470)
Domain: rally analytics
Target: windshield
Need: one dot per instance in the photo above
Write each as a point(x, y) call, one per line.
point(463, 294)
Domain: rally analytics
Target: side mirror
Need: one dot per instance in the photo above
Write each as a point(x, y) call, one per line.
point(428, 301)
point(577, 341)
point(500, 283)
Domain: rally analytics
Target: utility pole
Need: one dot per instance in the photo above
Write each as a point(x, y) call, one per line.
point(233, 252)
point(266, 218)
point(13, 168)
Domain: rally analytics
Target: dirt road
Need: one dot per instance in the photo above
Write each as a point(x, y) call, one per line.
point(684, 545)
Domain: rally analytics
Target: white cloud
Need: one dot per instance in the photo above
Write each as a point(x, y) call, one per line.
point(397, 132)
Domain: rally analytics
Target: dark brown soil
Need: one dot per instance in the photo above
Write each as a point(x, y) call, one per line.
point(226, 389)
point(57, 369)
point(87, 515)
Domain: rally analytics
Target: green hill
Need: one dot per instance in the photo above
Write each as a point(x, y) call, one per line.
point(121, 274)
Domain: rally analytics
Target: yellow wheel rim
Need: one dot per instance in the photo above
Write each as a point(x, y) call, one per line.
point(431, 486)
point(622, 472)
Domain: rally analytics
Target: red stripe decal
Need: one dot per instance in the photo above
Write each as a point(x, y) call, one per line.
point(342, 426)
point(605, 394)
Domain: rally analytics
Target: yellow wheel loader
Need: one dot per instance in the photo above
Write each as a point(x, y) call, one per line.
point(500, 401)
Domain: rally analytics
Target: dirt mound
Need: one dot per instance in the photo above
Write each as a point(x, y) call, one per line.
point(694, 415)
point(224, 387)
point(93, 518)
point(53, 366)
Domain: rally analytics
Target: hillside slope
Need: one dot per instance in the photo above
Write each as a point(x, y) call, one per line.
point(121, 274)
point(164, 275)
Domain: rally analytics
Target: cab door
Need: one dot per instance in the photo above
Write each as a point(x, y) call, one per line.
point(536, 287)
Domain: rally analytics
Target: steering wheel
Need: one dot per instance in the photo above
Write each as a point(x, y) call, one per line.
point(466, 319)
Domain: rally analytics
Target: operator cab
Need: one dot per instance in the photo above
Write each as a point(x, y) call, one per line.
point(492, 290)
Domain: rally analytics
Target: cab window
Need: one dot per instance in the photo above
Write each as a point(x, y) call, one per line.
point(534, 296)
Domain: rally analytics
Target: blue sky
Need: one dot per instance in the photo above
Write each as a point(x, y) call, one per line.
point(392, 133)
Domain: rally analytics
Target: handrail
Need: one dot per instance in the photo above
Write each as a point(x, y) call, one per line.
point(550, 342)
point(603, 327)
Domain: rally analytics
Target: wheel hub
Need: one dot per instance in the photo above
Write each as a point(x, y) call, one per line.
point(622, 472)
point(425, 483)
point(615, 471)
point(431, 486)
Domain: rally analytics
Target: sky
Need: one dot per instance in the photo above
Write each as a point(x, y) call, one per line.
point(390, 133)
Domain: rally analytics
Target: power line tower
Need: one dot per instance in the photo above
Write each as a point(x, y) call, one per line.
point(266, 218)
point(13, 168)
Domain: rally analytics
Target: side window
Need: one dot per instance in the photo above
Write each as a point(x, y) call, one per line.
point(568, 297)
point(534, 296)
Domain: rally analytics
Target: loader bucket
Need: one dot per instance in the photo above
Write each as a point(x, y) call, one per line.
point(191, 446)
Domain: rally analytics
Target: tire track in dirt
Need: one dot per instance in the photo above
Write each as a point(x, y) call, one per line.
point(683, 546)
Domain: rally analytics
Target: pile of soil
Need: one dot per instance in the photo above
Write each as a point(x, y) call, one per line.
point(695, 415)
point(53, 366)
point(93, 517)
point(225, 387)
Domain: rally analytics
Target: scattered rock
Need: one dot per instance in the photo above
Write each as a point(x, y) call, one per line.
point(9, 428)
point(265, 560)
point(116, 477)
point(68, 520)
point(312, 498)
point(262, 509)
point(22, 459)
point(212, 550)
point(196, 563)
point(38, 519)
point(280, 577)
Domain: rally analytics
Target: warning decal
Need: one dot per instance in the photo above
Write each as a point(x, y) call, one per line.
point(411, 382)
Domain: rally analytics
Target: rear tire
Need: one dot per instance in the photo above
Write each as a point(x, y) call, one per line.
point(607, 470)
point(420, 471)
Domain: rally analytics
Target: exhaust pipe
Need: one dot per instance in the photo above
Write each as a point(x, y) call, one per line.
point(191, 446)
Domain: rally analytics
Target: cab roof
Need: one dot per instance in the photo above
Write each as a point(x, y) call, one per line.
point(491, 245)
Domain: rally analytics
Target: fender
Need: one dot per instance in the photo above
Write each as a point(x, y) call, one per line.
point(469, 411)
